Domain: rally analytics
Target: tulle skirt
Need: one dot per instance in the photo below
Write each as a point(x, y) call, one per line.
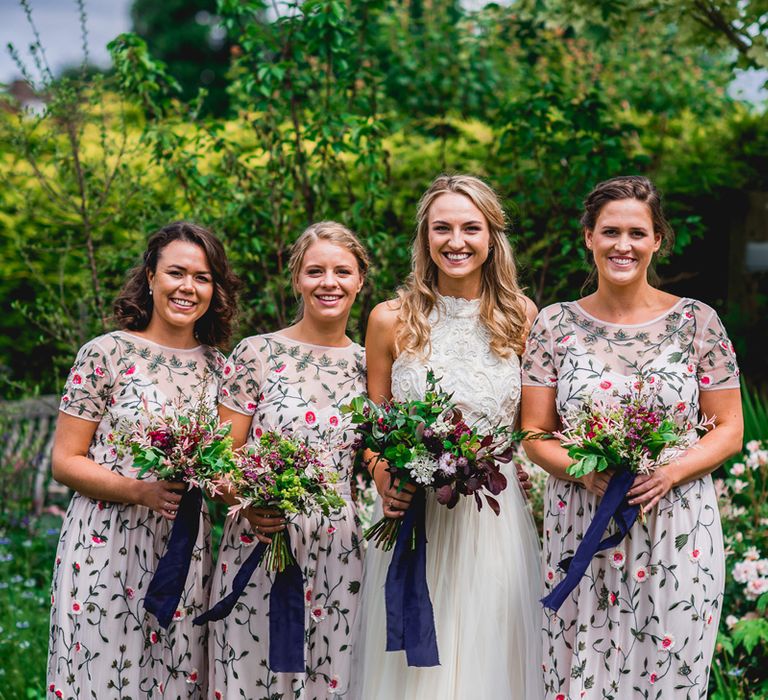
point(483, 573)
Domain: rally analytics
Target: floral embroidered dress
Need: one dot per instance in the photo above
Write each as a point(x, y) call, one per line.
point(291, 386)
point(103, 644)
point(482, 569)
point(642, 623)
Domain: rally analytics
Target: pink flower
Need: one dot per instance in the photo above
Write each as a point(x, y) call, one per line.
point(258, 432)
point(217, 695)
point(688, 315)
point(560, 696)
point(694, 555)
point(280, 367)
point(681, 406)
point(247, 540)
point(331, 529)
point(130, 593)
point(179, 614)
point(77, 607)
point(130, 371)
point(318, 614)
point(308, 596)
point(551, 379)
point(334, 421)
point(613, 598)
point(98, 371)
point(153, 638)
point(239, 368)
point(641, 574)
point(51, 687)
point(227, 370)
point(192, 676)
point(77, 379)
point(618, 558)
point(310, 417)
point(605, 385)
point(76, 566)
point(550, 574)
point(224, 391)
point(561, 505)
point(250, 406)
point(59, 693)
point(690, 368)
point(65, 399)
point(652, 678)
point(333, 685)
point(567, 341)
point(667, 642)
point(98, 542)
point(705, 380)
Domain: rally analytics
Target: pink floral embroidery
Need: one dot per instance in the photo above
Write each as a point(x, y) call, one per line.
point(98, 371)
point(310, 417)
point(605, 385)
point(77, 607)
point(334, 421)
point(247, 540)
point(77, 379)
point(130, 371)
point(280, 367)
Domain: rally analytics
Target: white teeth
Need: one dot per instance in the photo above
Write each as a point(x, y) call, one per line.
point(182, 302)
point(622, 261)
point(328, 298)
point(457, 256)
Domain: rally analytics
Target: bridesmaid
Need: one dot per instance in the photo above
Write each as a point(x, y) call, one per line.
point(174, 308)
point(296, 380)
point(642, 622)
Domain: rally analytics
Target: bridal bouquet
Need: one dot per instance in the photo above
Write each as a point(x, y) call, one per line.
point(427, 442)
point(187, 445)
point(629, 434)
point(284, 473)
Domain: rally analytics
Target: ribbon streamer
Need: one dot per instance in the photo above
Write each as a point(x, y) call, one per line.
point(613, 505)
point(410, 619)
point(167, 585)
point(286, 610)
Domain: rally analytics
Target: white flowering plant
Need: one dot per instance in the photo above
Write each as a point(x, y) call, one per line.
point(739, 667)
point(428, 443)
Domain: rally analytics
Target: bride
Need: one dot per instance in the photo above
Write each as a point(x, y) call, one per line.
point(460, 313)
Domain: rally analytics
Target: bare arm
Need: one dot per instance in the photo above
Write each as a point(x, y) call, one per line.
point(73, 468)
point(379, 356)
point(720, 443)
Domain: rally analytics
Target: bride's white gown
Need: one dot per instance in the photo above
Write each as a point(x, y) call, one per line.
point(483, 571)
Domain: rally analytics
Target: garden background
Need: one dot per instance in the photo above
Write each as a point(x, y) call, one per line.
point(256, 118)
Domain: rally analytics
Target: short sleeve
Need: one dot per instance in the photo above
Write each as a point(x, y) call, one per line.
point(717, 367)
point(538, 359)
point(88, 390)
point(241, 379)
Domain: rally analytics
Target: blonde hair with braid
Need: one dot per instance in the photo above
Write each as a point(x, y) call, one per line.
point(502, 303)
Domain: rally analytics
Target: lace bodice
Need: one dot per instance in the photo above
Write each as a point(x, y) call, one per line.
point(486, 387)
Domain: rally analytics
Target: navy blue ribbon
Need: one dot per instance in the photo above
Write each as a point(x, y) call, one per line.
point(286, 610)
point(167, 585)
point(613, 505)
point(410, 619)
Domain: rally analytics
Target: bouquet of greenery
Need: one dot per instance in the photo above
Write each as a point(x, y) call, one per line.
point(427, 442)
point(191, 446)
point(283, 472)
point(629, 431)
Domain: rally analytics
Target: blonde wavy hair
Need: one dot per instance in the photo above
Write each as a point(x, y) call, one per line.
point(502, 303)
point(333, 232)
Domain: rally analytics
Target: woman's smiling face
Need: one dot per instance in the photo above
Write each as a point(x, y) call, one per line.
point(459, 237)
point(623, 242)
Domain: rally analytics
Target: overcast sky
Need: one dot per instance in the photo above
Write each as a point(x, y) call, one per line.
point(57, 23)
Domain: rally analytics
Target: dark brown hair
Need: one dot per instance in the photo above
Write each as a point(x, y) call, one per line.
point(133, 306)
point(629, 187)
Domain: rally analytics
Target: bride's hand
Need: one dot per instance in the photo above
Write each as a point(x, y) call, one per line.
point(394, 502)
point(525, 480)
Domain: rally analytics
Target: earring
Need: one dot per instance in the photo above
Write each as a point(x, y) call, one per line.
point(150, 291)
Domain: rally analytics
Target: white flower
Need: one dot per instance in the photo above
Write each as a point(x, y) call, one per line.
point(640, 574)
point(730, 621)
point(333, 685)
point(753, 445)
point(617, 558)
point(756, 587)
point(752, 554)
point(738, 469)
point(738, 485)
point(695, 554)
point(318, 614)
point(744, 571)
point(422, 467)
point(447, 463)
point(667, 642)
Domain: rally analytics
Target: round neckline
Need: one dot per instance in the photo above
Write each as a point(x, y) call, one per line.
point(157, 345)
point(278, 334)
point(630, 325)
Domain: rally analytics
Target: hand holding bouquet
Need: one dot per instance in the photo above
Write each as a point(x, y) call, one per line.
point(179, 445)
point(427, 442)
point(283, 473)
point(629, 434)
